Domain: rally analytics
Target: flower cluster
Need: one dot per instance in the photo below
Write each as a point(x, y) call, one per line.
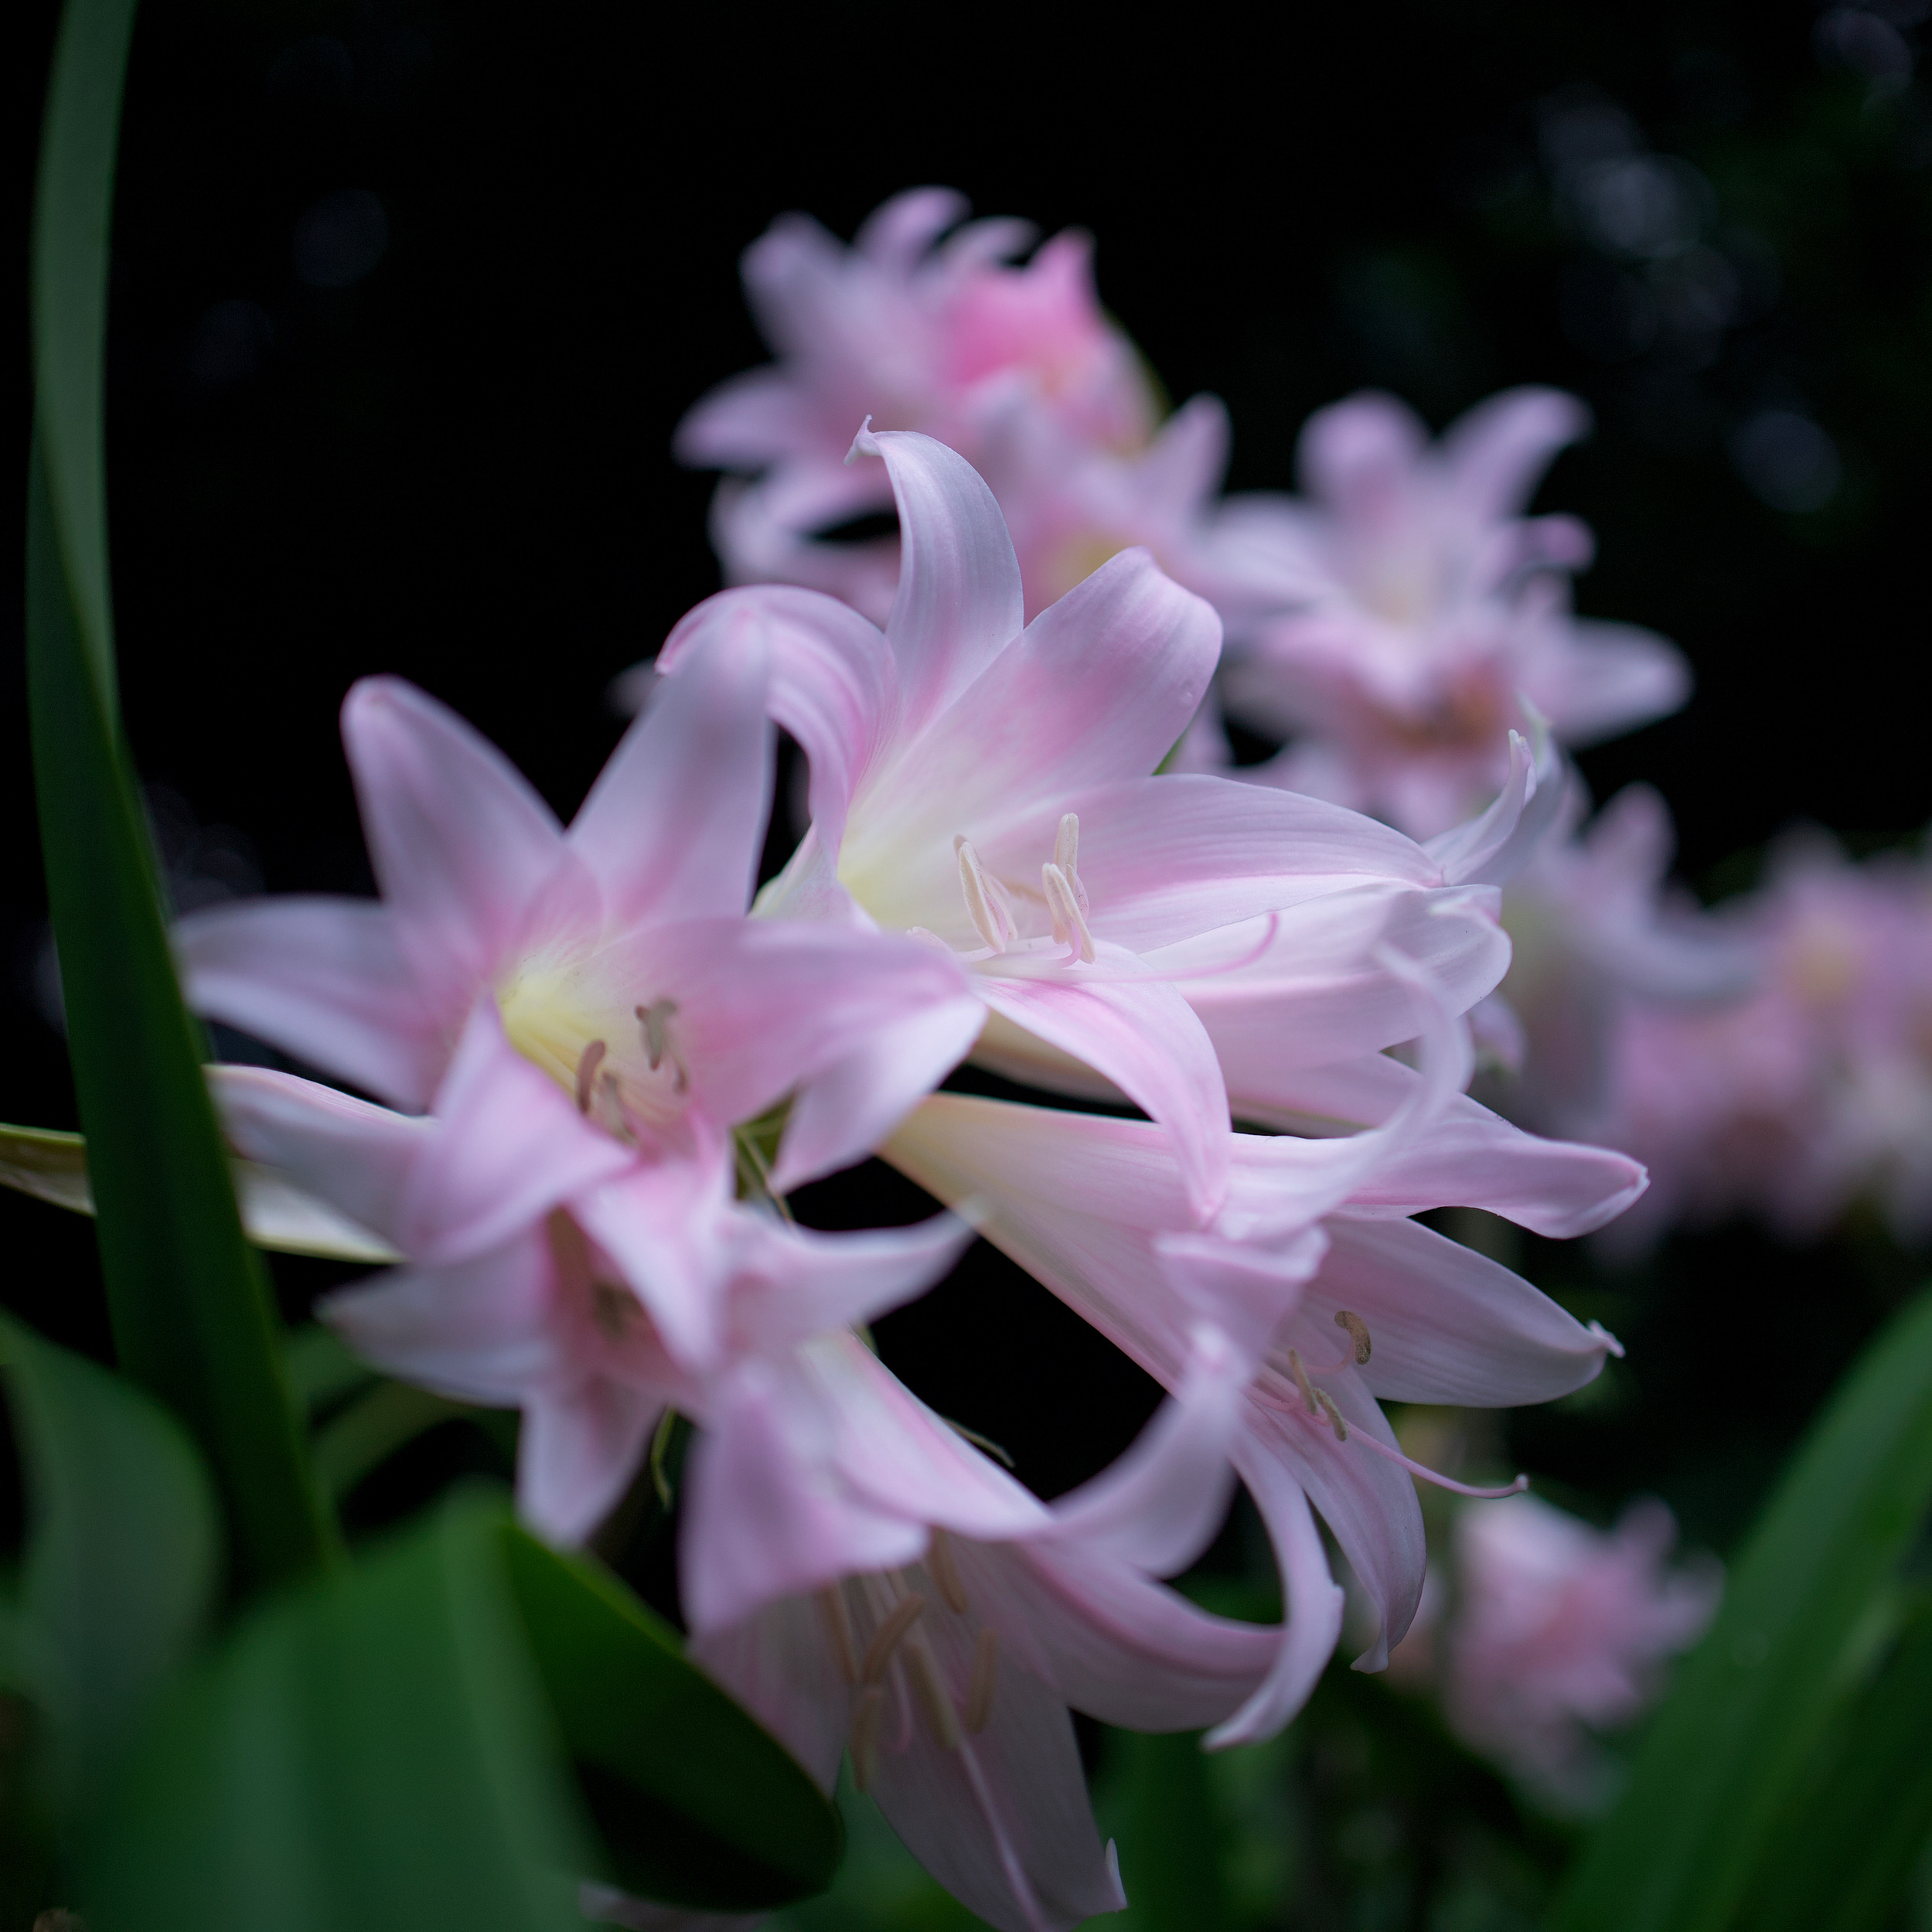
point(597, 1065)
point(1555, 1633)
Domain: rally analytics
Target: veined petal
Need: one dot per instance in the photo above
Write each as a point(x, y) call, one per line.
point(1312, 1603)
point(675, 824)
point(510, 1148)
point(461, 844)
point(577, 1451)
point(1164, 859)
point(1144, 1038)
point(1110, 1642)
point(356, 1157)
point(833, 685)
point(322, 979)
point(1095, 691)
point(1002, 1821)
point(1470, 1158)
point(960, 602)
point(1493, 847)
point(1447, 1324)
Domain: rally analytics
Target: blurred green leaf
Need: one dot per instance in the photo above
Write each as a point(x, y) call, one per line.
point(1174, 1838)
point(695, 1803)
point(1844, 1850)
point(190, 1311)
point(123, 1547)
point(372, 1752)
point(1731, 1745)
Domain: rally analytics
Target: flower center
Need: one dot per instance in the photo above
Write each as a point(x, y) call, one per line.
point(989, 905)
point(617, 1057)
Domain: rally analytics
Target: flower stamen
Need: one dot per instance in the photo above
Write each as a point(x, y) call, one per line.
point(945, 1573)
point(1068, 914)
point(985, 904)
point(930, 1693)
point(1334, 1414)
point(587, 1074)
point(1066, 856)
point(863, 1743)
point(885, 1640)
point(984, 1682)
point(1302, 1383)
point(1357, 1333)
point(838, 1630)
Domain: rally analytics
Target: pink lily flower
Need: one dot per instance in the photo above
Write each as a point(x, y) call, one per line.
point(545, 1269)
point(1814, 1090)
point(944, 337)
point(1415, 609)
point(616, 953)
point(988, 786)
point(1562, 1632)
point(1313, 1238)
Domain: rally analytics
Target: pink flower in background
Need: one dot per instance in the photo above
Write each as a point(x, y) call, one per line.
point(947, 337)
point(1814, 1092)
point(987, 784)
point(1561, 1631)
point(1415, 609)
point(1598, 935)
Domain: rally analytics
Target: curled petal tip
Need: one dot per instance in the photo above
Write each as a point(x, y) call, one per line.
point(865, 443)
point(1611, 1345)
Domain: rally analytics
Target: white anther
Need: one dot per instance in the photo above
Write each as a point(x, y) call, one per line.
point(1066, 855)
point(985, 1680)
point(838, 1629)
point(1069, 921)
point(929, 1690)
point(985, 904)
point(945, 1573)
point(1357, 1333)
point(587, 1074)
point(885, 1640)
point(867, 1710)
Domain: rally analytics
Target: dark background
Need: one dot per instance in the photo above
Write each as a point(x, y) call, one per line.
point(408, 299)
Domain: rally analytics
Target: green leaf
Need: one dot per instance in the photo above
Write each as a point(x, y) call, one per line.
point(122, 1552)
point(372, 1752)
point(276, 1214)
point(695, 1803)
point(373, 1428)
point(1173, 1833)
point(1732, 1744)
point(1844, 1851)
point(192, 1319)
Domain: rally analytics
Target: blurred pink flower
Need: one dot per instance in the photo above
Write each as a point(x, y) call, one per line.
point(1414, 610)
point(1176, 939)
point(1014, 367)
point(1597, 934)
point(1814, 1092)
point(1561, 1631)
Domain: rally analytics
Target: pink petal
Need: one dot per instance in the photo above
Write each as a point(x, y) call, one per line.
point(960, 602)
point(511, 1146)
point(461, 844)
point(675, 825)
point(479, 1330)
point(322, 979)
point(1246, 1290)
point(1492, 848)
point(1144, 1038)
point(577, 1451)
point(1311, 1603)
point(779, 1665)
point(1110, 1642)
point(1355, 454)
point(765, 1515)
point(1095, 691)
point(358, 1157)
point(833, 685)
point(1447, 1324)
point(1609, 678)
point(840, 1114)
point(1497, 453)
point(899, 232)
